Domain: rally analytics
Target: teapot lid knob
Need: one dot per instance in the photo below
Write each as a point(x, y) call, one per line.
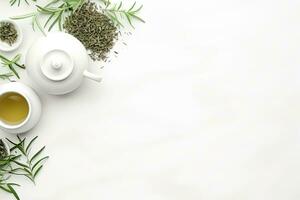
point(57, 65)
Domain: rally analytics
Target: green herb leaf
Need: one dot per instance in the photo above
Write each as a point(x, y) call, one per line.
point(13, 191)
point(37, 171)
point(39, 25)
point(39, 162)
point(37, 154)
point(116, 13)
point(30, 144)
point(23, 16)
point(5, 189)
point(18, 2)
point(11, 64)
point(21, 164)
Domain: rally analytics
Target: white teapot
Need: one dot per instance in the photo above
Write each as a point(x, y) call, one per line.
point(57, 63)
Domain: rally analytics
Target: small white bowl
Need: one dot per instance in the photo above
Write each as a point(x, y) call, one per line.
point(6, 47)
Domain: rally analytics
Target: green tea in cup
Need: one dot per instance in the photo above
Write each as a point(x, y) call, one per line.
point(14, 108)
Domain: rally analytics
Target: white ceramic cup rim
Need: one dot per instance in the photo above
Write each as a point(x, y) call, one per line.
point(19, 39)
point(8, 126)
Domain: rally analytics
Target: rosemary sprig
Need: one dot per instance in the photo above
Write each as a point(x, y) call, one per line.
point(55, 10)
point(13, 2)
point(11, 64)
point(33, 164)
point(117, 13)
point(20, 162)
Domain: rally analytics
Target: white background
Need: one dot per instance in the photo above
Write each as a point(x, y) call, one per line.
point(203, 104)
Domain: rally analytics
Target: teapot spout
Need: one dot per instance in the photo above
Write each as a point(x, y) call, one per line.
point(92, 76)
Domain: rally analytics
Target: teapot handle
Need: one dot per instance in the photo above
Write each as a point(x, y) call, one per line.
point(92, 76)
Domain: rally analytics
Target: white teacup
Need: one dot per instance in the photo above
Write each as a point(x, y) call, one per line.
point(34, 105)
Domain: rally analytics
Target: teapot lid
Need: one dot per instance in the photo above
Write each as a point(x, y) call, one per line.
point(57, 65)
point(57, 62)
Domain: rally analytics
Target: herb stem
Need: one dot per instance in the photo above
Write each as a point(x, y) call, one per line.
point(10, 65)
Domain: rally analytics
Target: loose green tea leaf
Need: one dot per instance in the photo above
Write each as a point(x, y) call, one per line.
point(8, 33)
point(94, 29)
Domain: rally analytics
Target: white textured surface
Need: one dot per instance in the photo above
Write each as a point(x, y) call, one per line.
point(203, 103)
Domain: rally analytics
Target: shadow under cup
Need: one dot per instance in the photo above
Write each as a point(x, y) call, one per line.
point(14, 109)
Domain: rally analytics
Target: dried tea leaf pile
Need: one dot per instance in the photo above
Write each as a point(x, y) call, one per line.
point(94, 29)
point(8, 33)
